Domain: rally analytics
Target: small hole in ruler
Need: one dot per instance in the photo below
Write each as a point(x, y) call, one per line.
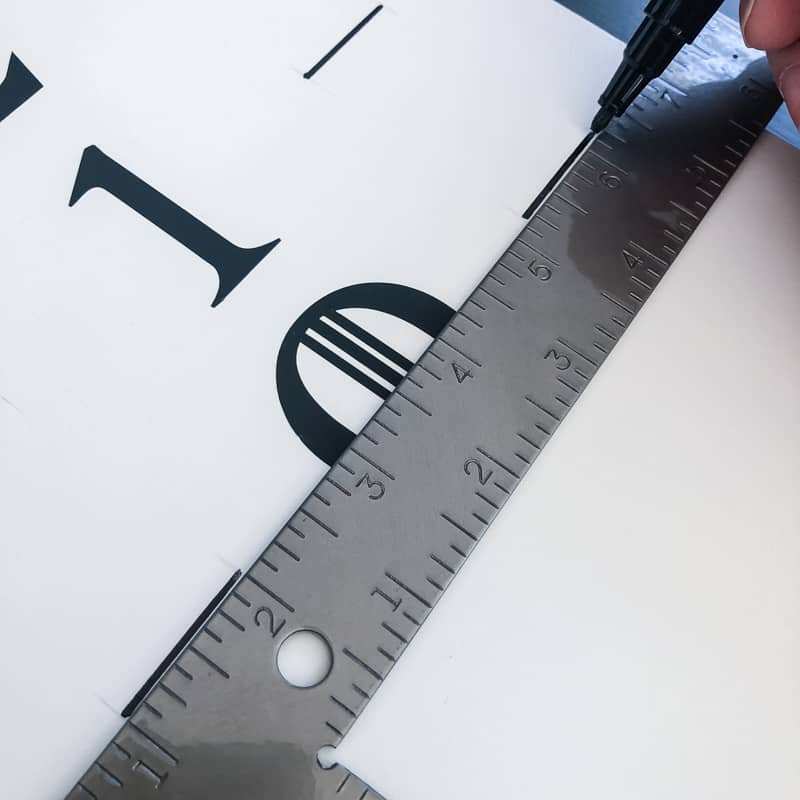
point(326, 757)
point(305, 659)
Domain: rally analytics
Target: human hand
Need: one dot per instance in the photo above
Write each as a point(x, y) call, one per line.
point(774, 26)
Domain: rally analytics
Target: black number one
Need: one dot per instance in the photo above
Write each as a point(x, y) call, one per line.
point(19, 85)
point(232, 263)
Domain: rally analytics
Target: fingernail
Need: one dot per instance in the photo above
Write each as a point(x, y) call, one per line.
point(789, 85)
point(747, 10)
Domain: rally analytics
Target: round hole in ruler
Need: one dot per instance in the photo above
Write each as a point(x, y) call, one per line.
point(304, 659)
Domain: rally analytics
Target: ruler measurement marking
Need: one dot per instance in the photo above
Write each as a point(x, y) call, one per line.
point(529, 441)
point(419, 598)
point(286, 550)
point(563, 199)
point(542, 408)
point(334, 729)
point(109, 774)
point(470, 319)
point(474, 303)
point(434, 583)
point(711, 166)
point(411, 619)
point(209, 661)
point(366, 667)
point(487, 500)
point(413, 403)
point(336, 701)
point(607, 162)
point(372, 464)
point(214, 636)
point(424, 369)
point(617, 303)
point(460, 352)
point(601, 329)
point(566, 344)
point(480, 519)
point(324, 500)
point(159, 748)
point(499, 463)
point(459, 527)
point(568, 385)
point(508, 269)
point(458, 551)
point(501, 487)
point(228, 618)
point(495, 297)
point(494, 277)
point(386, 626)
point(336, 485)
point(321, 524)
point(267, 564)
point(269, 593)
point(522, 458)
point(745, 129)
point(540, 218)
point(457, 330)
point(88, 792)
point(636, 279)
point(383, 425)
point(344, 781)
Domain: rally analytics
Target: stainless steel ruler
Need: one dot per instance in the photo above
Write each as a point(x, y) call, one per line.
point(365, 558)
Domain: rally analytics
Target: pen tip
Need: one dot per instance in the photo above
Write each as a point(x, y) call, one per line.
point(601, 119)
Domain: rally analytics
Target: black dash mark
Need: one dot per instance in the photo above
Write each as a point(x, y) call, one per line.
point(562, 171)
point(341, 43)
point(193, 629)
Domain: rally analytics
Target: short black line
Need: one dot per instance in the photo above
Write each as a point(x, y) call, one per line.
point(508, 269)
point(562, 401)
point(641, 283)
point(321, 524)
point(435, 584)
point(580, 374)
point(476, 303)
point(495, 297)
point(322, 499)
point(334, 729)
point(430, 372)
point(296, 531)
point(411, 619)
point(522, 458)
point(372, 463)
point(353, 657)
point(385, 426)
point(459, 527)
point(174, 695)
point(152, 709)
point(215, 636)
point(481, 519)
point(460, 352)
point(487, 500)
point(413, 403)
point(211, 663)
point(370, 439)
point(345, 467)
point(499, 463)
point(342, 784)
point(442, 564)
point(578, 208)
point(267, 592)
point(344, 708)
point(360, 691)
point(109, 774)
point(458, 551)
point(398, 636)
point(542, 408)
point(121, 749)
point(501, 487)
point(673, 235)
point(185, 672)
point(568, 385)
point(469, 319)
point(88, 792)
point(413, 380)
point(286, 550)
point(392, 409)
point(601, 329)
point(600, 348)
point(386, 654)
point(496, 279)
point(636, 297)
point(419, 598)
point(617, 303)
point(608, 163)
point(338, 486)
point(541, 218)
point(228, 618)
point(529, 441)
point(159, 747)
point(187, 637)
point(576, 351)
point(341, 43)
point(436, 355)
point(457, 330)
point(560, 173)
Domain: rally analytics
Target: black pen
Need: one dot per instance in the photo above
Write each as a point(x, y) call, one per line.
point(668, 25)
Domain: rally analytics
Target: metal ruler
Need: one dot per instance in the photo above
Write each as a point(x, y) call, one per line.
point(365, 558)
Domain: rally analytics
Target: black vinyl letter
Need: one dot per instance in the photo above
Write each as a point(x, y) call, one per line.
point(232, 263)
point(19, 85)
point(323, 435)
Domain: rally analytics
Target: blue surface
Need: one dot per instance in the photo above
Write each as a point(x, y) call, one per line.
point(621, 17)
